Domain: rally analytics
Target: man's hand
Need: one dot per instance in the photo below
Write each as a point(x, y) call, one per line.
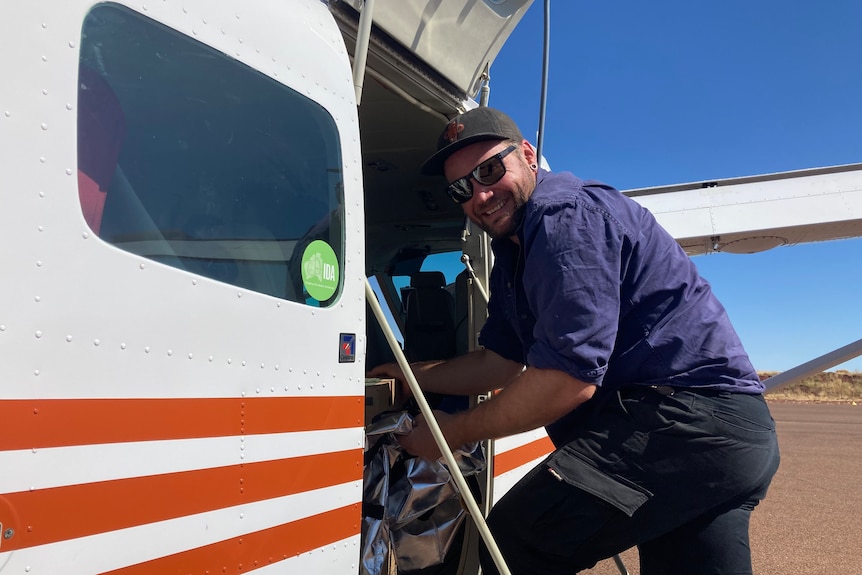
point(421, 443)
point(393, 371)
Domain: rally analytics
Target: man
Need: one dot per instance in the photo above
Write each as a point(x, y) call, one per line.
point(601, 330)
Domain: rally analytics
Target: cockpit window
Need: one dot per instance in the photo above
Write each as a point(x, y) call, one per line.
point(193, 159)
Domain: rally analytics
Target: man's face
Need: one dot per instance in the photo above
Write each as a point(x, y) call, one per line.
point(496, 208)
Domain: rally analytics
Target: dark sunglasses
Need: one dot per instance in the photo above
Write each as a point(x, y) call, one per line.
point(487, 173)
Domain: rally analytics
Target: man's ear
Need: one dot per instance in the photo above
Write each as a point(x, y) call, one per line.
point(529, 152)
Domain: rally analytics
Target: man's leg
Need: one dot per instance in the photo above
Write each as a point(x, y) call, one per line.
point(545, 526)
point(715, 544)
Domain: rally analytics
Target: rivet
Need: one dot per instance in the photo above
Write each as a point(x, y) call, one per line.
point(142, 266)
point(68, 106)
point(97, 343)
point(210, 358)
point(85, 235)
point(122, 346)
point(38, 334)
point(71, 44)
point(147, 349)
point(39, 263)
point(9, 533)
point(243, 363)
point(38, 299)
point(36, 372)
point(190, 356)
point(69, 338)
point(44, 92)
point(68, 171)
point(170, 352)
point(44, 126)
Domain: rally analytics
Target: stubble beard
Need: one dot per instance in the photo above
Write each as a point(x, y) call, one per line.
point(523, 190)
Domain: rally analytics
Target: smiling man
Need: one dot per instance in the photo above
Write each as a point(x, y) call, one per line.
point(600, 329)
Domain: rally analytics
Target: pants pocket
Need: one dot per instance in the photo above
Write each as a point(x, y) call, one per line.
point(578, 471)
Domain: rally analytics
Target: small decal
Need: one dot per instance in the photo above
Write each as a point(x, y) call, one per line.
point(347, 348)
point(320, 270)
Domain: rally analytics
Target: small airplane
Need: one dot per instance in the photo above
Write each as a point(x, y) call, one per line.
point(195, 196)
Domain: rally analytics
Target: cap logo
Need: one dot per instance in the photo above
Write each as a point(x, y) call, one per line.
point(452, 131)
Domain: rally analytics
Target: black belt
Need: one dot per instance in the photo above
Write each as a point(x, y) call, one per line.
point(666, 390)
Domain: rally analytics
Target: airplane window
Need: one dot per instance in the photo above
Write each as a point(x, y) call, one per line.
point(195, 160)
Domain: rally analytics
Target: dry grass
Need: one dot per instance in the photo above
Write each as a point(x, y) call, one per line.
point(828, 387)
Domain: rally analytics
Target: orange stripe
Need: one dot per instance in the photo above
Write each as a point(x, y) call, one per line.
point(60, 513)
point(258, 549)
point(513, 458)
point(39, 423)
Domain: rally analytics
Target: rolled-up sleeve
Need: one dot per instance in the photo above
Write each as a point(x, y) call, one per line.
point(572, 281)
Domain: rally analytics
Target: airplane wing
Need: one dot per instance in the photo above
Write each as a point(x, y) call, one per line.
point(756, 213)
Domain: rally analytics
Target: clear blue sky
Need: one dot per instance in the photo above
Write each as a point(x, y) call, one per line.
point(652, 93)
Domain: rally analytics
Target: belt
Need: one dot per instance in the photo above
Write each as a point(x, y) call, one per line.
point(642, 389)
point(666, 390)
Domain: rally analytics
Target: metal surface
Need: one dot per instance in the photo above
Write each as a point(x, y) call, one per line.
point(750, 214)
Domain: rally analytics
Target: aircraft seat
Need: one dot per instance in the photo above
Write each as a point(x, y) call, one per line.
point(429, 323)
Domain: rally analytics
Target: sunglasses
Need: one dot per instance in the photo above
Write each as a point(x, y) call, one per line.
point(487, 173)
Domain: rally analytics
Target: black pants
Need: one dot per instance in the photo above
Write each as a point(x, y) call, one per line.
point(677, 475)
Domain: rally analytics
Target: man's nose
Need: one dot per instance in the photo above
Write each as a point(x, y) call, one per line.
point(481, 192)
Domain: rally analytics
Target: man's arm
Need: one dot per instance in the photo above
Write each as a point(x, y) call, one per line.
point(476, 372)
point(535, 398)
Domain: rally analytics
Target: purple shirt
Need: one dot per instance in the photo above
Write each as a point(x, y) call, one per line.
point(599, 290)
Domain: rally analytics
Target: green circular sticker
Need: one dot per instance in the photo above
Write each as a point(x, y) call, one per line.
point(320, 270)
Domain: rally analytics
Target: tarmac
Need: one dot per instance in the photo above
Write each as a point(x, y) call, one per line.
point(811, 520)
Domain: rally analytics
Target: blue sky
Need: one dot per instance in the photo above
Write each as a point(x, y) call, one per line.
point(651, 93)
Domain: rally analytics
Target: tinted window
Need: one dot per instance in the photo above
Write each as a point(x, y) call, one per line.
point(193, 159)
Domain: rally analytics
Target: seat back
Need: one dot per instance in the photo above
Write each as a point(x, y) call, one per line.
point(429, 323)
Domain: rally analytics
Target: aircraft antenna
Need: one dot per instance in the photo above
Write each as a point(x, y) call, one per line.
point(546, 53)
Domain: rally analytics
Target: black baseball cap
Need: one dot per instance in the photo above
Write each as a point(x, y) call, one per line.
point(473, 126)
